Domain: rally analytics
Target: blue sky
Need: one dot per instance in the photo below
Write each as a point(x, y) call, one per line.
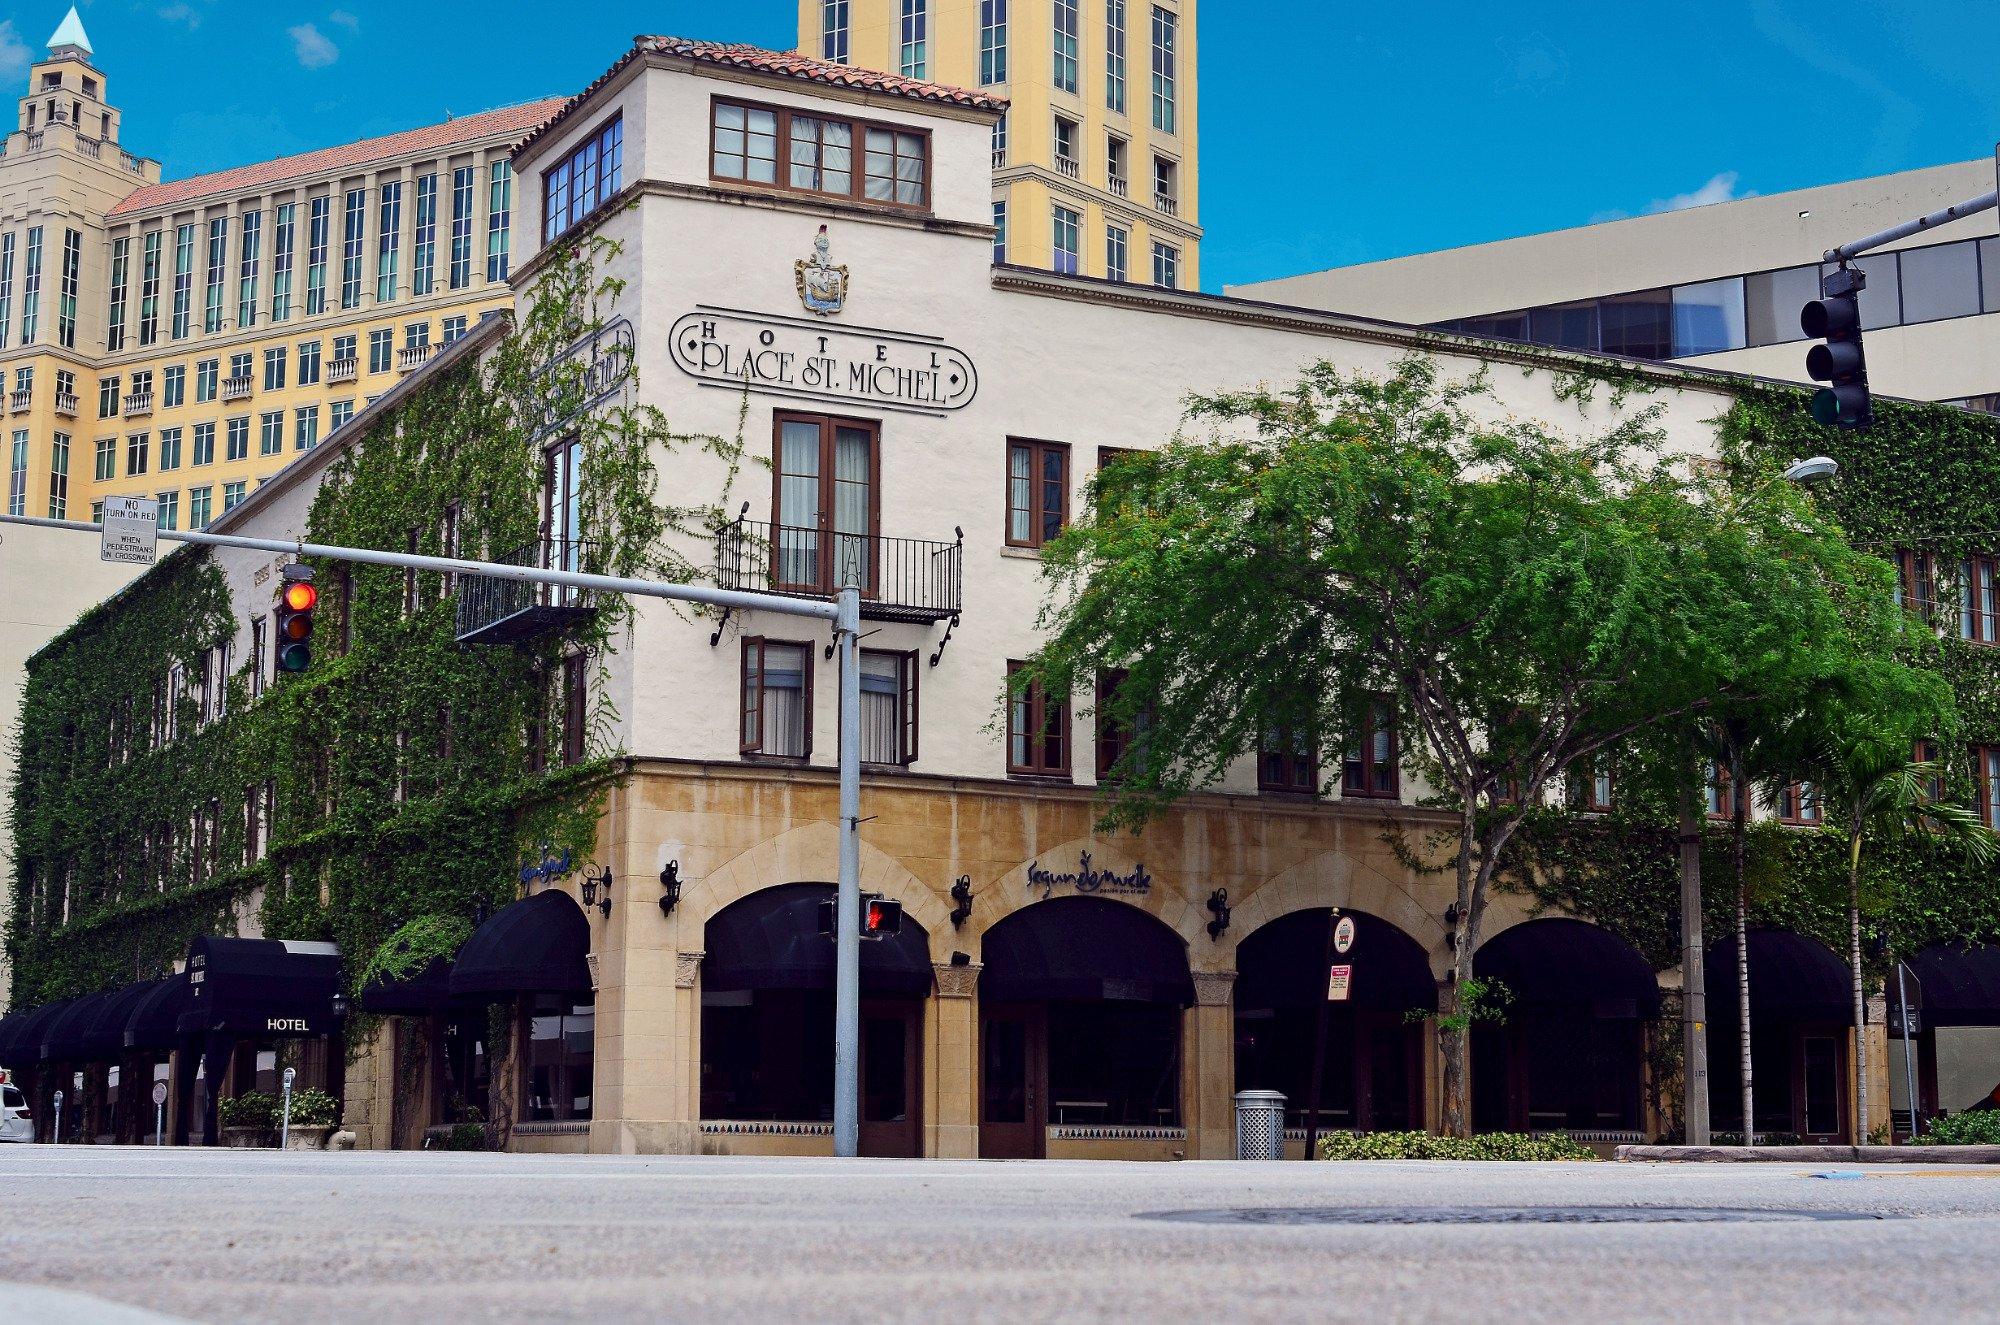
point(1332, 131)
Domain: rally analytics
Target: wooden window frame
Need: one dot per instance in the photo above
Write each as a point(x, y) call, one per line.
point(1795, 793)
point(1113, 739)
point(1282, 770)
point(1975, 571)
point(907, 673)
point(1037, 513)
point(1986, 793)
point(1916, 573)
point(829, 429)
point(1583, 786)
point(1357, 771)
point(576, 708)
point(858, 145)
point(1037, 701)
point(751, 736)
point(1725, 793)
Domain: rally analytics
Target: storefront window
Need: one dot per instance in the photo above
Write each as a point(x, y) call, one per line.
point(1114, 1064)
point(560, 1045)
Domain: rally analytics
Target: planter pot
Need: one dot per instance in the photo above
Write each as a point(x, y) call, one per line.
point(307, 1138)
point(248, 1138)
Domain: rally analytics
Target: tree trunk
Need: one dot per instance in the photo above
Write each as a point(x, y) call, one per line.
point(1860, 999)
point(1739, 811)
point(1454, 1028)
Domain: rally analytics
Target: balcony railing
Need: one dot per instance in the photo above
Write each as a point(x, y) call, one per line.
point(496, 611)
point(901, 579)
point(1165, 203)
point(66, 404)
point(1119, 186)
point(999, 157)
point(138, 403)
point(1068, 166)
point(341, 370)
point(236, 388)
point(411, 357)
point(20, 400)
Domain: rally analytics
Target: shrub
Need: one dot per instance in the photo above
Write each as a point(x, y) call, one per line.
point(1979, 1128)
point(313, 1108)
point(253, 1108)
point(466, 1136)
point(1425, 1145)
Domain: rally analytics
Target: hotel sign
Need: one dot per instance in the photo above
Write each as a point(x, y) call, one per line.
point(786, 356)
point(1087, 878)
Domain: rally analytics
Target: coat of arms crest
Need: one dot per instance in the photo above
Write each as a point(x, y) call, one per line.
point(822, 286)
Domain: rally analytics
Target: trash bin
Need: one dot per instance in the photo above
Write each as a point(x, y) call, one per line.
point(1260, 1124)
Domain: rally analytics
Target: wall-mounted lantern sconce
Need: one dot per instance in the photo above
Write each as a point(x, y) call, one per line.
point(1451, 926)
point(670, 887)
point(1218, 905)
point(961, 893)
point(597, 888)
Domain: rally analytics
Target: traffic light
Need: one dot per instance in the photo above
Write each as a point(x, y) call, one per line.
point(880, 917)
point(1835, 319)
point(296, 600)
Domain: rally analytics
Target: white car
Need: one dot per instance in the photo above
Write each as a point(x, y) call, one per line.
point(15, 1124)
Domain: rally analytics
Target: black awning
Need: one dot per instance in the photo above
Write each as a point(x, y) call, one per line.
point(104, 1037)
point(771, 940)
point(62, 1038)
point(533, 946)
point(261, 987)
point(155, 1020)
point(1960, 984)
point(1283, 965)
point(1084, 949)
point(1564, 965)
point(1791, 977)
point(423, 991)
point(22, 1048)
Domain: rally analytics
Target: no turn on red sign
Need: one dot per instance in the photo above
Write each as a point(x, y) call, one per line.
point(130, 530)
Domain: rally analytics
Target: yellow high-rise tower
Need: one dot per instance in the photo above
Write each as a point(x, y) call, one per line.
point(1096, 165)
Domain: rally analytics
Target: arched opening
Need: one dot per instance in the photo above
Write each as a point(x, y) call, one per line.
point(1080, 1023)
point(1953, 991)
point(1800, 1006)
point(1569, 1054)
point(767, 1019)
point(1372, 1073)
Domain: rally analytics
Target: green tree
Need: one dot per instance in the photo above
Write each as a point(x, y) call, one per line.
point(1515, 599)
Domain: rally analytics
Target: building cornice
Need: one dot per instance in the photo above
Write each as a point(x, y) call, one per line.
point(1121, 204)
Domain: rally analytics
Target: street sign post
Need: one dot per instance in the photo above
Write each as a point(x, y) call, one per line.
point(285, 1119)
point(131, 528)
point(159, 1113)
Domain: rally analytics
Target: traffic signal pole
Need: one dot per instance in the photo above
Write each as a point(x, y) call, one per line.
point(843, 614)
point(1957, 211)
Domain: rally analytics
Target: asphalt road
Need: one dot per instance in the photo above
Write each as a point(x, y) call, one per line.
point(227, 1236)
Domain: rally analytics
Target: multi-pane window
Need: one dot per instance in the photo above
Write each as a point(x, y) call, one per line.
point(1166, 266)
point(1115, 733)
point(206, 374)
point(381, 350)
point(31, 286)
point(822, 158)
point(72, 265)
point(203, 446)
point(1916, 584)
point(462, 184)
point(59, 476)
point(417, 336)
point(992, 41)
point(271, 432)
point(343, 348)
point(912, 45)
point(1590, 786)
point(748, 143)
point(239, 367)
point(558, 1073)
point(1037, 728)
point(1369, 766)
point(1037, 491)
point(1979, 600)
point(574, 187)
point(888, 707)
point(499, 211)
point(999, 231)
point(183, 313)
point(121, 276)
point(17, 474)
point(149, 289)
point(6, 285)
point(824, 504)
point(776, 716)
point(1166, 185)
point(1796, 803)
point(1065, 147)
point(453, 327)
point(1116, 243)
point(1986, 772)
point(1064, 241)
point(319, 237)
point(1063, 67)
point(107, 459)
point(274, 368)
point(305, 427)
point(1114, 56)
point(232, 493)
point(217, 274)
point(107, 397)
point(389, 241)
point(833, 30)
point(308, 363)
point(238, 438)
point(1000, 141)
point(201, 506)
point(1166, 44)
point(250, 242)
point(136, 448)
point(170, 509)
point(744, 143)
point(284, 240)
point(353, 234)
point(1287, 761)
point(173, 385)
point(423, 257)
point(337, 415)
point(170, 449)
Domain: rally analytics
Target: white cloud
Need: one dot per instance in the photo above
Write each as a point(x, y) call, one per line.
point(181, 13)
point(346, 20)
point(14, 56)
point(311, 45)
point(1720, 188)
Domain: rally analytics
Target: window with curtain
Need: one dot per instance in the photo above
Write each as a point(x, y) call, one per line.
point(1038, 730)
point(888, 707)
point(1979, 600)
point(823, 527)
point(1037, 491)
point(1369, 768)
point(777, 697)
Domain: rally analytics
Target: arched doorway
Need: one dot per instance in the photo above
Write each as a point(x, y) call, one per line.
point(1372, 1079)
point(1080, 1023)
point(1800, 1007)
point(767, 1019)
point(1569, 1054)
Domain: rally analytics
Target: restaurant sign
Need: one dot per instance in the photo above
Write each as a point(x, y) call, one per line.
point(788, 356)
point(1087, 878)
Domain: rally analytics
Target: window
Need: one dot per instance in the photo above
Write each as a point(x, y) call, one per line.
point(17, 474)
point(1166, 40)
point(824, 504)
point(274, 368)
point(1166, 184)
point(1709, 317)
point(308, 363)
point(562, 506)
point(1064, 240)
point(499, 208)
point(747, 142)
point(1116, 241)
point(1115, 733)
point(911, 44)
point(1037, 491)
point(173, 385)
point(575, 186)
point(461, 227)
point(1114, 56)
point(283, 238)
point(183, 281)
point(1287, 761)
point(199, 503)
point(1065, 147)
point(1979, 600)
point(777, 697)
point(251, 241)
point(423, 259)
point(1916, 589)
point(992, 42)
point(136, 448)
point(558, 1071)
point(1062, 71)
point(381, 350)
point(896, 167)
point(232, 493)
point(107, 397)
point(305, 427)
point(6, 284)
point(833, 30)
point(237, 438)
point(59, 476)
point(1940, 281)
point(354, 225)
point(217, 272)
point(338, 413)
point(453, 328)
point(319, 229)
point(1882, 299)
point(204, 444)
point(170, 449)
point(31, 287)
point(1590, 786)
point(107, 459)
point(999, 231)
point(343, 349)
point(149, 290)
point(1638, 325)
point(271, 432)
point(1037, 728)
point(576, 708)
point(1000, 141)
point(1796, 803)
point(72, 262)
point(1114, 164)
point(206, 374)
point(822, 156)
point(1166, 266)
point(1986, 772)
point(417, 336)
point(1369, 767)
point(888, 707)
point(170, 509)
point(389, 241)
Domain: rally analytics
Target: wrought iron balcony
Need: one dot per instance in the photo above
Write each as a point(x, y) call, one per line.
point(496, 611)
point(342, 370)
point(901, 579)
point(235, 388)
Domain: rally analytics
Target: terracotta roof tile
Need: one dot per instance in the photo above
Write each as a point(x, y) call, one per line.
point(510, 120)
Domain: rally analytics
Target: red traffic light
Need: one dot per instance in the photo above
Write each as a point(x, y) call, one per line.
point(881, 918)
point(301, 597)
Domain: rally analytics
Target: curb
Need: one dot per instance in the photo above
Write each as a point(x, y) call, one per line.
point(1810, 1154)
